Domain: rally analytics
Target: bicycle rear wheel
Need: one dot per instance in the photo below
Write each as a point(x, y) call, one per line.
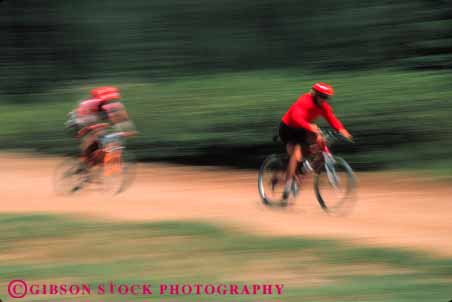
point(334, 186)
point(271, 180)
point(69, 177)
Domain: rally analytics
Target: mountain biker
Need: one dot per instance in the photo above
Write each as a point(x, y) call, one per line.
point(297, 131)
point(95, 116)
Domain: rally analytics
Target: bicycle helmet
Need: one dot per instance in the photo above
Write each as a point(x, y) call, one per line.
point(105, 93)
point(323, 89)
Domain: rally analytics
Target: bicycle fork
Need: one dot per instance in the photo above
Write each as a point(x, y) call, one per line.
point(330, 170)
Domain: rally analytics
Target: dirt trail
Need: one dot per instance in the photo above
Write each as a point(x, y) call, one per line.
point(391, 211)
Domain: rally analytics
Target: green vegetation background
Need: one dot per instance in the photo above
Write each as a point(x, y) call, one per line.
point(207, 81)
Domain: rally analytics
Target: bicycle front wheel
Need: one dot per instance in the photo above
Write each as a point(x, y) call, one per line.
point(334, 186)
point(118, 170)
point(271, 180)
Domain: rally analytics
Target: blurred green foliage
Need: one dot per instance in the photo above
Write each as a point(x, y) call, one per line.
point(206, 81)
point(49, 42)
point(93, 252)
point(399, 119)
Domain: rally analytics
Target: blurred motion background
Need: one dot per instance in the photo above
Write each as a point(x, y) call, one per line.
point(207, 81)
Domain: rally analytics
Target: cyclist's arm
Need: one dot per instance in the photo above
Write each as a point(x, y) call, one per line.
point(334, 122)
point(123, 125)
point(119, 119)
point(125, 128)
point(300, 121)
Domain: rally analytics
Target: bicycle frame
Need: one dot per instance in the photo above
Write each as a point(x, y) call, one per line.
point(319, 160)
point(329, 162)
point(112, 149)
point(326, 159)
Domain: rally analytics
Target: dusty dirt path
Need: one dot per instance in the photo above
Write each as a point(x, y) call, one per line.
point(391, 211)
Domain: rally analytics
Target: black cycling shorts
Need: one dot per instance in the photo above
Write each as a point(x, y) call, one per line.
point(291, 135)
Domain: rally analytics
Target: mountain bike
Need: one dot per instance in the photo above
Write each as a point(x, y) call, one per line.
point(112, 171)
point(334, 180)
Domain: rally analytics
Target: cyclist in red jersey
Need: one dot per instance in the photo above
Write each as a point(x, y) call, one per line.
point(297, 130)
point(95, 116)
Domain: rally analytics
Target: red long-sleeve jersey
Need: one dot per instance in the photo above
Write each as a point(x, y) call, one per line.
point(304, 111)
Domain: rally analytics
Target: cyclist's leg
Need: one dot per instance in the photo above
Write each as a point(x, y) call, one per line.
point(295, 156)
point(298, 159)
point(312, 140)
point(291, 139)
point(89, 148)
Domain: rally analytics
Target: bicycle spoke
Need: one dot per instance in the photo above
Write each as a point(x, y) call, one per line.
point(334, 186)
point(271, 180)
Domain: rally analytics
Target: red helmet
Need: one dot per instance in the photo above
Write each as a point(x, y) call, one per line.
point(323, 88)
point(105, 93)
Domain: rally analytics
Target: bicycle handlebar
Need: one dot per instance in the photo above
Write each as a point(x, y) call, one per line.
point(332, 136)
